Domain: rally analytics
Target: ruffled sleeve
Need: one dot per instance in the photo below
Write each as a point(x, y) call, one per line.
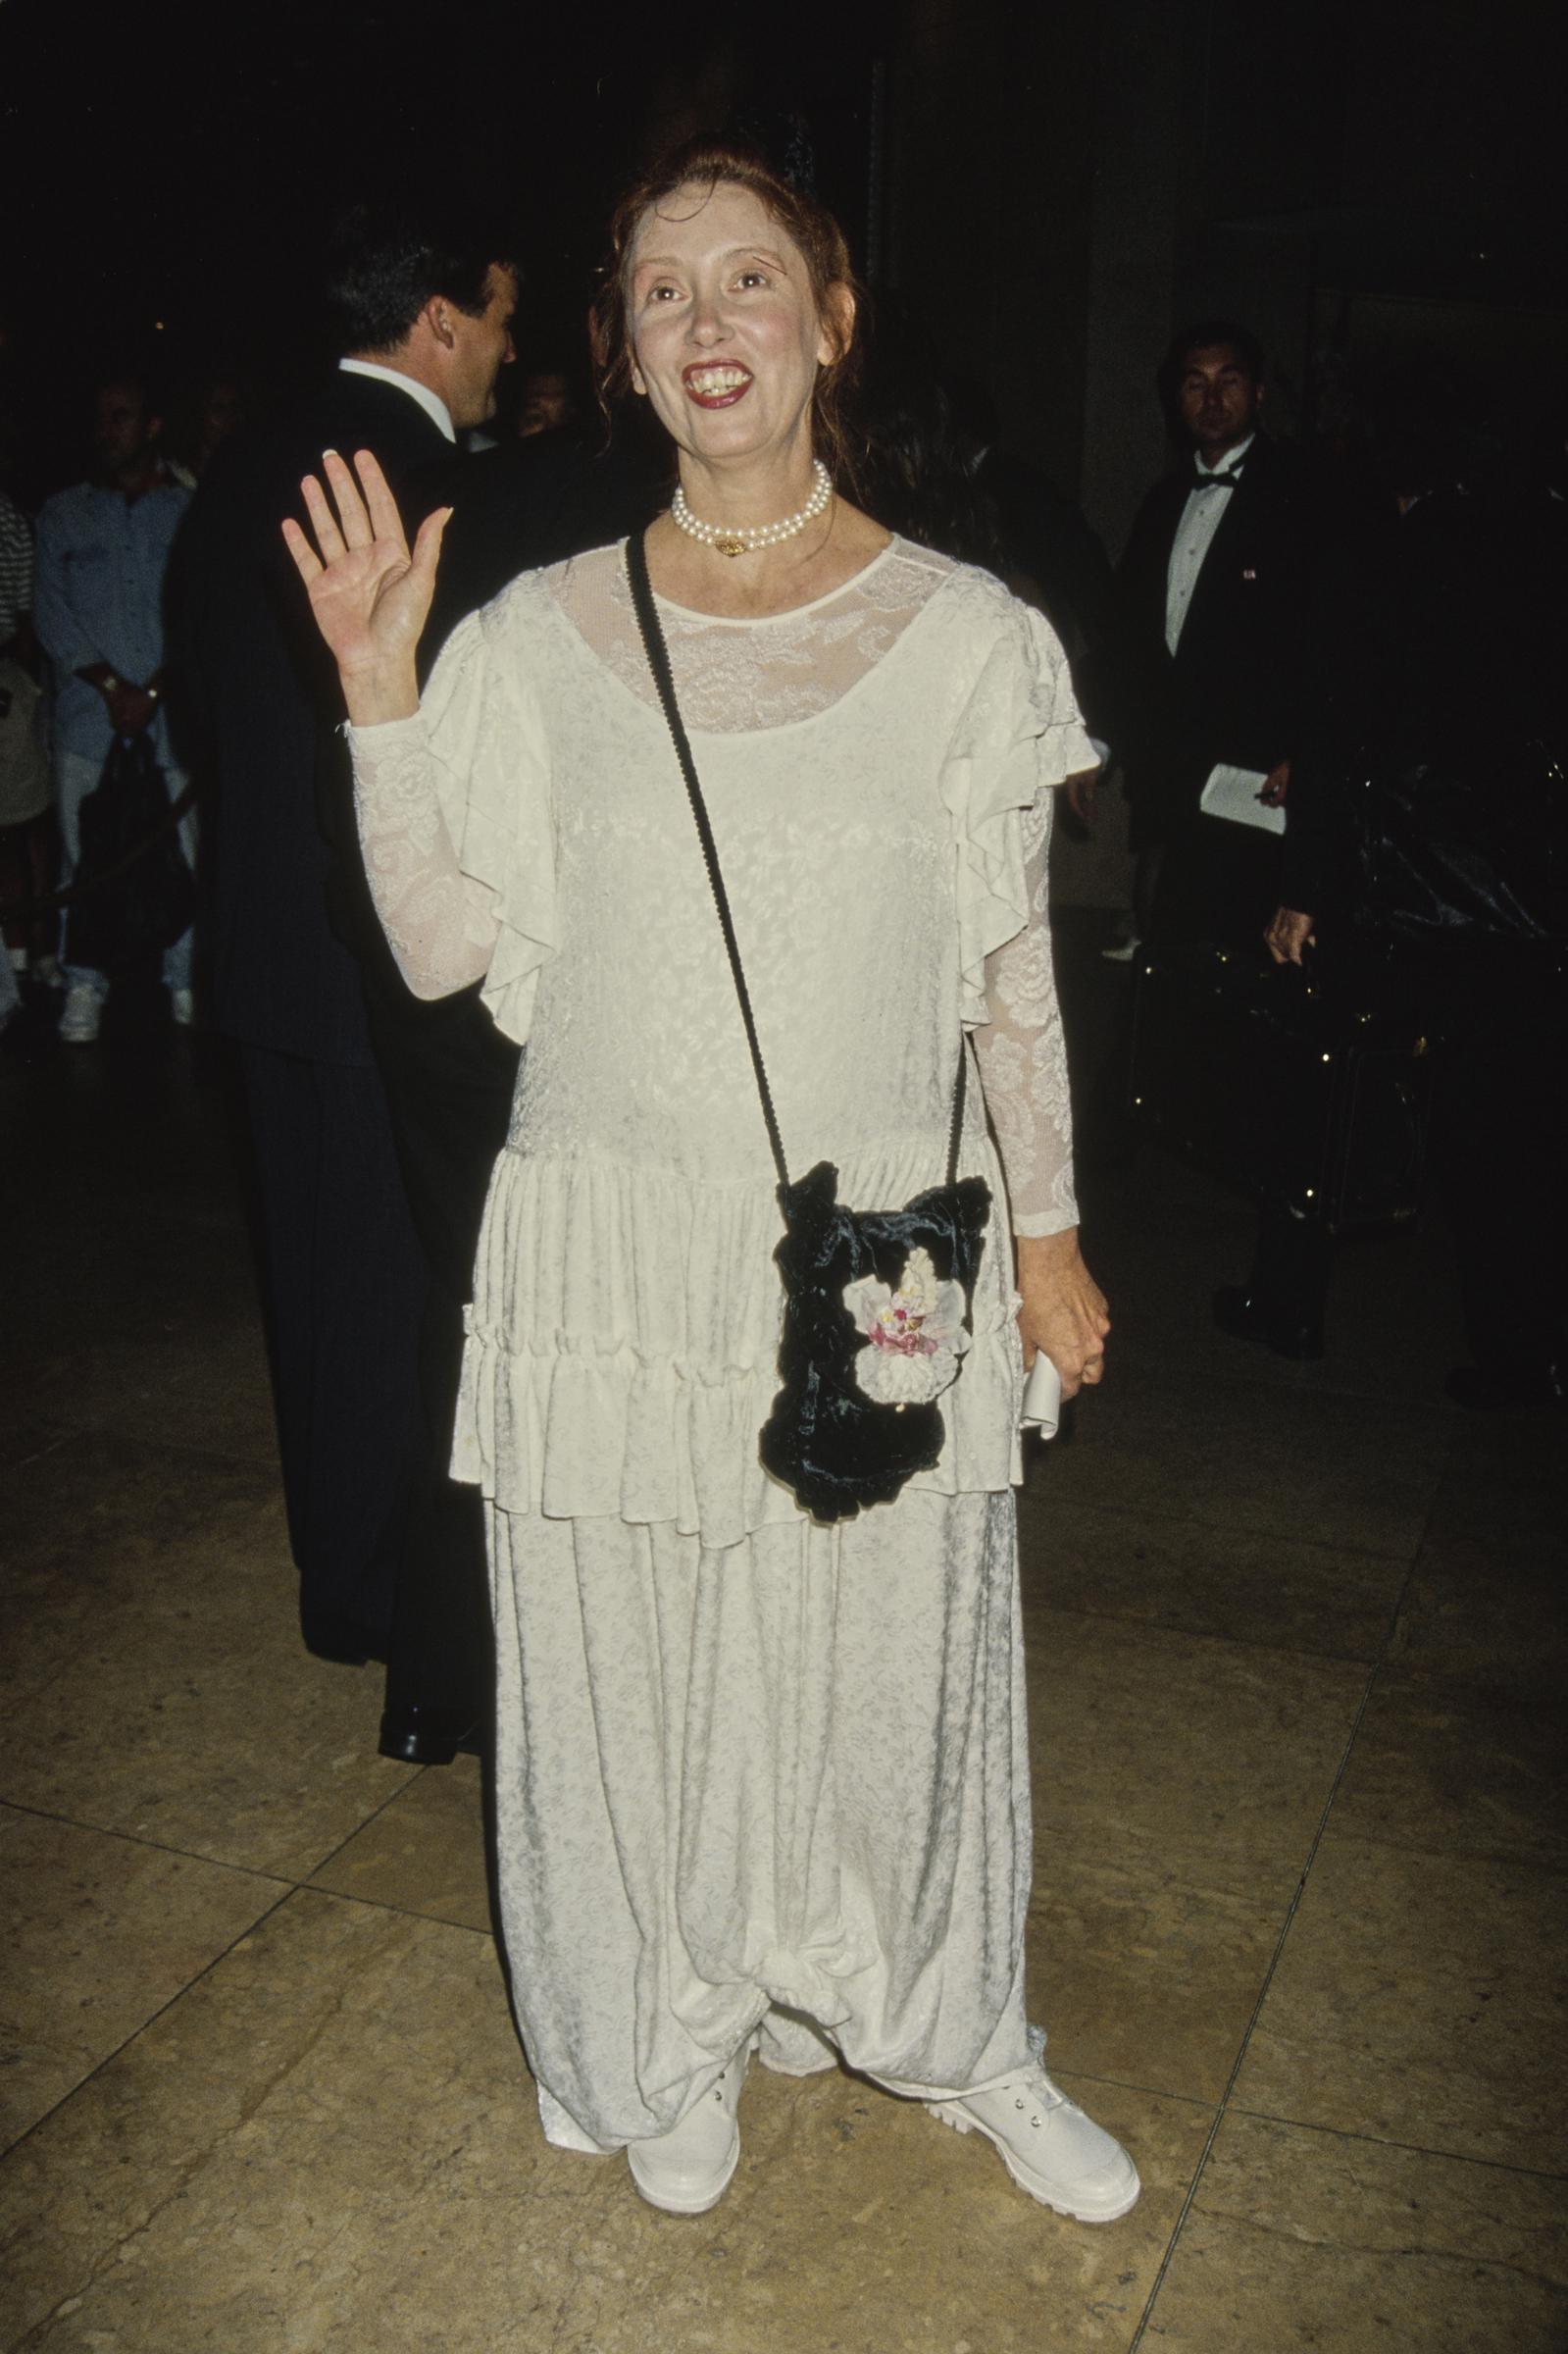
point(455, 822)
point(1019, 736)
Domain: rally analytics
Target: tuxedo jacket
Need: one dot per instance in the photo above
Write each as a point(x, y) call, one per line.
point(535, 502)
point(1235, 688)
point(292, 937)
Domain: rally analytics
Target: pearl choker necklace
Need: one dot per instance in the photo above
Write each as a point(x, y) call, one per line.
point(749, 538)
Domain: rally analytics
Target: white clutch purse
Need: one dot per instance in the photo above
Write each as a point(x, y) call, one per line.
point(1042, 1397)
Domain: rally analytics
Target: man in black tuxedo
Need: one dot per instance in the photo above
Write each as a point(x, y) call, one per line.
point(1216, 589)
point(1213, 592)
point(374, 1119)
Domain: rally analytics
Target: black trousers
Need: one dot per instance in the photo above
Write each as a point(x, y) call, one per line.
point(1220, 882)
point(344, 1282)
point(449, 1077)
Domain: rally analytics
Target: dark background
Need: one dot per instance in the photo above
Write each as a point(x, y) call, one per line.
point(1050, 188)
point(167, 179)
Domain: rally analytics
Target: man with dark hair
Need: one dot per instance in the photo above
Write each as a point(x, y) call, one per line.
point(1244, 362)
point(374, 1119)
point(383, 262)
point(1213, 588)
point(423, 309)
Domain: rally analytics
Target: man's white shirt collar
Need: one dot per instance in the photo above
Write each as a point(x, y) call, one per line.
point(434, 407)
point(1231, 457)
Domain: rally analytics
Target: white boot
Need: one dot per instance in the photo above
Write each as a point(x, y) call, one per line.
point(1049, 2146)
point(687, 2169)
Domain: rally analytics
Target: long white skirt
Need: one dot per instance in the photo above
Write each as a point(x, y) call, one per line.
point(784, 1783)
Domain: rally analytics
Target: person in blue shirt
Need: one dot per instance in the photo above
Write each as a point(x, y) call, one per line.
point(102, 552)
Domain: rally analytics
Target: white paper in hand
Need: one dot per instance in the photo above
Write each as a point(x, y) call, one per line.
point(1042, 1397)
point(1232, 793)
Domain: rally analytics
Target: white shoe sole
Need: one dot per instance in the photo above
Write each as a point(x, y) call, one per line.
point(700, 2201)
point(953, 2113)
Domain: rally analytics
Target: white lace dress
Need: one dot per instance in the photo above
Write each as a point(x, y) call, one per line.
point(749, 1769)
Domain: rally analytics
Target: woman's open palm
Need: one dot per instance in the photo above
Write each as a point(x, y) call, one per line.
point(368, 594)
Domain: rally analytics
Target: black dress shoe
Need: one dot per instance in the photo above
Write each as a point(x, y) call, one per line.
point(416, 1735)
point(1246, 1317)
point(1533, 1388)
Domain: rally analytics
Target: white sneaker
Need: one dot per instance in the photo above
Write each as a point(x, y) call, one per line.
point(183, 1005)
point(687, 2169)
point(1049, 2147)
point(1122, 951)
point(84, 1011)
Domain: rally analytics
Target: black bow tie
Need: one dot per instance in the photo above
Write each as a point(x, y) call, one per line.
point(1202, 480)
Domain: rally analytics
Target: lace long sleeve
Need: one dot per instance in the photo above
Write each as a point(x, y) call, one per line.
point(1021, 1053)
point(453, 808)
point(1020, 735)
point(440, 924)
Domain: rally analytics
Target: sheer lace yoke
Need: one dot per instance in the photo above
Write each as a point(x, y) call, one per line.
point(527, 830)
point(743, 675)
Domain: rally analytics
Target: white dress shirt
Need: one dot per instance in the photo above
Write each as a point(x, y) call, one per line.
point(434, 407)
point(1200, 520)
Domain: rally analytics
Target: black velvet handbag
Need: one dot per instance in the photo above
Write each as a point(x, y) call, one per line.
point(878, 1302)
point(136, 892)
point(1468, 847)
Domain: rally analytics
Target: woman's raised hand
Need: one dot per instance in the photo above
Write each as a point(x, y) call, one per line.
point(368, 594)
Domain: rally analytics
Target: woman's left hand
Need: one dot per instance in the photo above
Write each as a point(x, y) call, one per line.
point(1064, 1308)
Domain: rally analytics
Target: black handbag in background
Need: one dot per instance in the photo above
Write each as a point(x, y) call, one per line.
point(1465, 848)
point(137, 894)
point(1284, 1089)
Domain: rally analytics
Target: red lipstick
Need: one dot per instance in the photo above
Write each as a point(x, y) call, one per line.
point(716, 384)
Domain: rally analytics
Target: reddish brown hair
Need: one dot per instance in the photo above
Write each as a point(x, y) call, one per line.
point(810, 228)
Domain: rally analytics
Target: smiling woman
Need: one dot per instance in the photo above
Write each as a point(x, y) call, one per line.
point(761, 1765)
point(796, 231)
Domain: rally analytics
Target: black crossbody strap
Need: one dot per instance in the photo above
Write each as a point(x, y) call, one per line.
point(659, 663)
point(956, 1134)
point(658, 654)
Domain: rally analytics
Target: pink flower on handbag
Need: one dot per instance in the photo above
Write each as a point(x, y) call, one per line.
point(914, 1336)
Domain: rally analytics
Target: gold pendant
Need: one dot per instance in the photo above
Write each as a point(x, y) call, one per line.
point(731, 547)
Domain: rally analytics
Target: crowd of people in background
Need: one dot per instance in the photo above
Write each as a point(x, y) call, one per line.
point(1323, 626)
